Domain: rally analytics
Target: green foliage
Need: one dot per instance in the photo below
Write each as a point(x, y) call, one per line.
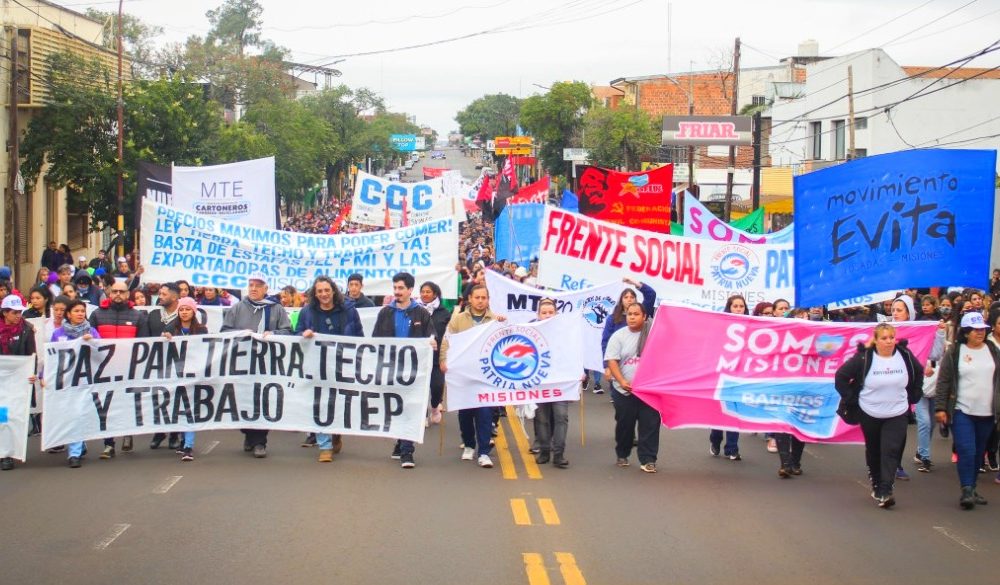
point(236, 25)
point(241, 141)
point(137, 37)
point(555, 120)
point(620, 137)
point(490, 116)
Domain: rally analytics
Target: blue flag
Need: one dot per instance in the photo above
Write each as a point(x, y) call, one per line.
point(909, 219)
point(518, 232)
point(570, 202)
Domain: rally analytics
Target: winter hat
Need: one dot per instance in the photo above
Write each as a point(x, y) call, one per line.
point(4, 272)
point(187, 302)
point(53, 278)
point(906, 300)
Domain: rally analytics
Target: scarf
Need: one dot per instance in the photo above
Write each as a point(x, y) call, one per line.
point(7, 334)
point(262, 305)
point(167, 318)
point(75, 331)
point(431, 306)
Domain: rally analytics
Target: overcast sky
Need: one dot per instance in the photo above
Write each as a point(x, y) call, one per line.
point(535, 43)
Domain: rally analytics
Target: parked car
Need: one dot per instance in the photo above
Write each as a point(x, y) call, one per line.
point(392, 176)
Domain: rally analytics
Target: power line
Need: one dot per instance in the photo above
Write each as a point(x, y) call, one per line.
point(927, 24)
point(875, 28)
point(943, 30)
point(388, 21)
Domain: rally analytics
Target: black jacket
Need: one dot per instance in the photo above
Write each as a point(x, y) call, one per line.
point(947, 383)
point(24, 342)
point(420, 322)
point(850, 377)
point(119, 321)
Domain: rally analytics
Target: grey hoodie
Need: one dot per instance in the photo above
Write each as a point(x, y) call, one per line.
point(939, 338)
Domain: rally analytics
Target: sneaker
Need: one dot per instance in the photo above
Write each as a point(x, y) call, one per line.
point(259, 451)
point(485, 461)
point(246, 445)
point(534, 450)
point(59, 449)
point(886, 501)
point(968, 499)
point(735, 457)
point(74, 462)
point(917, 458)
point(559, 461)
point(127, 445)
point(543, 458)
point(598, 390)
point(796, 470)
point(338, 444)
point(406, 461)
point(901, 474)
point(772, 446)
point(980, 500)
point(310, 440)
point(187, 455)
point(784, 473)
point(108, 453)
point(925, 465)
point(397, 451)
point(157, 441)
point(714, 450)
point(991, 462)
point(6, 464)
point(325, 455)
point(622, 462)
point(648, 467)
point(468, 453)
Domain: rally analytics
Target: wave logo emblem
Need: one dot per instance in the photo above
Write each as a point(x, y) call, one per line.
point(735, 267)
point(515, 357)
point(596, 310)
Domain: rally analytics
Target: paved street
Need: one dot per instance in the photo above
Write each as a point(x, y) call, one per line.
point(145, 517)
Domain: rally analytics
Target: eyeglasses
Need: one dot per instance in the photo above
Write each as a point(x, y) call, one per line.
point(115, 290)
point(768, 313)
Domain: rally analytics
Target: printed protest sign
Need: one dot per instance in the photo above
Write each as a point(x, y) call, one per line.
point(211, 252)
point(593, 306)
point(241, 191)
point(327, 384)
point(422, 202)
point(638, 200)
point(701, 223)
point(501, 364)
point(578, 252)
point(916, 218)
point(755, 374)
point(15, 402)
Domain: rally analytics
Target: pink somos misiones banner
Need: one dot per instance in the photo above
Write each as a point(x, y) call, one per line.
point(703, 369)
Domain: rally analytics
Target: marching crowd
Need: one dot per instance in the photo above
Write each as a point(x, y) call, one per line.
point(883, 387)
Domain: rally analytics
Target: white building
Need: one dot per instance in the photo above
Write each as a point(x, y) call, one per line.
point(896, 108)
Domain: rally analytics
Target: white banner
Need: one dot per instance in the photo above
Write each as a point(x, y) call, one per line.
point(578, 251)
point(498, 364)
point(700, 223)
point(211, 252)
point(326, 384)
point(240, 191)
point(425, 201)
point(864, 300)
point(15, 402)
point(519, 303)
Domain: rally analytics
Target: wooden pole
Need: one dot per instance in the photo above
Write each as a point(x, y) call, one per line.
point(732, 149)
point(850, 112)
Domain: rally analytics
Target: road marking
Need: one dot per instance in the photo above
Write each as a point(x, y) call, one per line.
point(506, 461)
point(949, 534)
point(535, 569)
point(570, 572)
point(520, 510)
point(812, 454)
point(521, 438)
point(116, 531)
point(167, 484)
point(549, 514)
point(209, 448)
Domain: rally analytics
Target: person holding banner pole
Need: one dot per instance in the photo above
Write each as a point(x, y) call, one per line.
point(404, 318)
point(623, 354)
point(617, 320)
point(551, 418)
point(327, 313)
point(17, 337)
point(75, 326)
point(879, 383)
point(186, 323)
point(737, 305)
point(430, 298)
point(255, 313)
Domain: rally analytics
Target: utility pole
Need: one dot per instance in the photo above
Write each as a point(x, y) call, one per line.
point(14, 164)
point(732, 149)
point(121, 130)
point(755, 187)
point(850, 113)
point(691, 185)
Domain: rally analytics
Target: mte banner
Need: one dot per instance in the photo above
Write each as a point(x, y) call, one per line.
point(15, 403)
point(326, 384)
point(240, 191)
point(593, 306)
point(701, 223)
point(756, 374)
point(916, 218)
point(417, 202)
point(501, 364)
point(578, 252)
point(207, 251)
point(638, 200)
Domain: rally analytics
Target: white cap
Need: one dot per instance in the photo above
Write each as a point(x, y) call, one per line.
point(122, 260)
point(972, 319)
point(13, 303)
point(520, 272)
point(257, 276)
point(82, 258)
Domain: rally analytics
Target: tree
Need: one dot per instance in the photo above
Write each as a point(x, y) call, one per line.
point(620, 137)
point(236, 25)
point(555, 119)
point(341, 108)
point(137, 37)
point(490, 116)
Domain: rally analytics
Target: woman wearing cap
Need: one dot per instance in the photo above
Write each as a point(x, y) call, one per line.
point(17, 337)
point(186, 323)
point(75, 326)
point(880, 382)
point(968, 398)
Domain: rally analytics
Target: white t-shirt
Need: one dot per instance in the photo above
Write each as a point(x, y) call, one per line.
point(623, 346)
point(884, 392)
point(975, 381)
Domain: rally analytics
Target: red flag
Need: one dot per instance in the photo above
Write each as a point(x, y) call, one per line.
point(485, 191)
point(335, 226)
point(388, 222)
point(405, 220)
point(509, 173)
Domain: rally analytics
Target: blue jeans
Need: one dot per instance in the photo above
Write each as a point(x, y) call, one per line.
point(476, 425)
point(970, 434)
point(732, 441)
point(189, 439)
point(925, 425)
point(406, 447)
point(75, 449)
point(324, 441)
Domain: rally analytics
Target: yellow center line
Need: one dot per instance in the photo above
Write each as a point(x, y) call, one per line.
point(520, 509)
point(522, 444)
point(570, 572)
point(549, 513)
point(535, 569)
point(506, 461)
